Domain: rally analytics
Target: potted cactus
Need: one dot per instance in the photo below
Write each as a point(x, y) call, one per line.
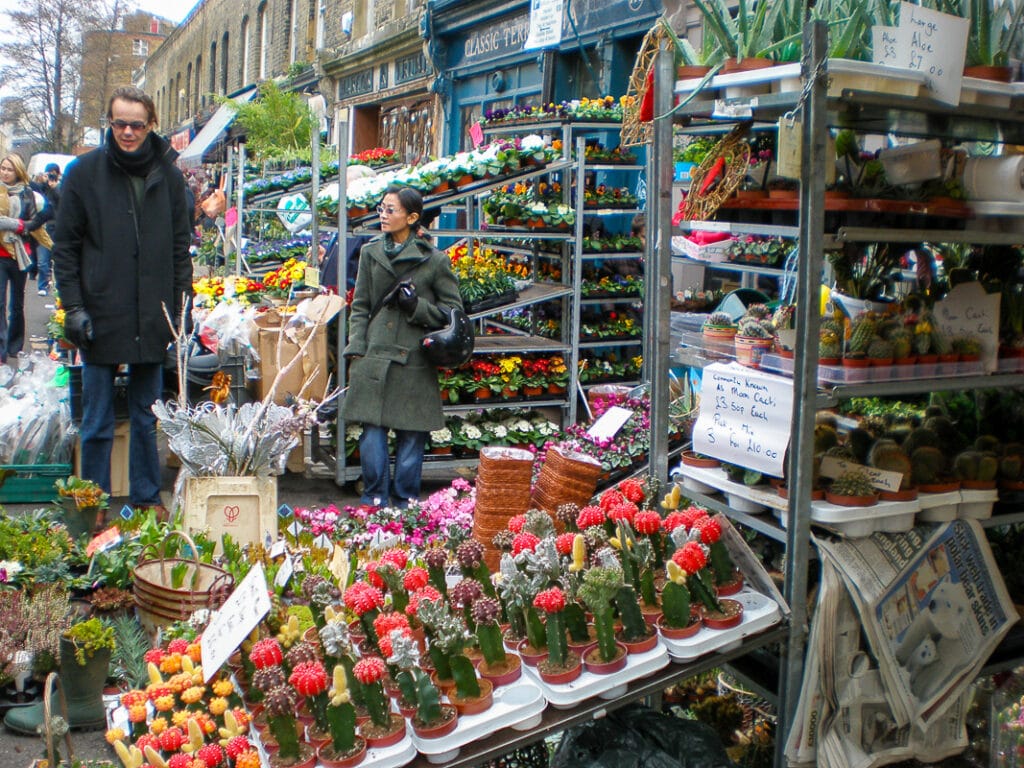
point(886, 454)
point(930, 470)
point(862, 332)
point(976, 469)
point(753, 338)
point(830, 348)
point(853, 488)
point(717, 333)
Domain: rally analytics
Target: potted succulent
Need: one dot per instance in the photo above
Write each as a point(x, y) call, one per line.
point(345, 748)
point(852, 488)
point(384, 728)
point(753, 338)
point(680, 618)
point(561, 665)
point(497, 666)
point(756, 34)
point(431, 719)
point(718, 332)
point(82, 502)
point(598, 590)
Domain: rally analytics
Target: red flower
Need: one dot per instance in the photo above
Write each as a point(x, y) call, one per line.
point(632, 489)
point(589, 516)
point(516, 523)
point(372, 576)
point(423, 593)
point(386, 622)
point(266, 653)
point(180, 760)
point(369, 670)
point(147, 740)
point(673, 520)
point(690, 557)
point(524, 541)
point(178, 645)
point(362, 598)
point(171, 740)
point(648, 522)
point(211, 754)
point(309, 678)
point(550, 600)
point(623, 511)
point(397, 557)
point(237, 746)
point(563, 543)
point(154, 655)
point(610, 498)
point(710, 529)
point(415, 578)
point(692, 514)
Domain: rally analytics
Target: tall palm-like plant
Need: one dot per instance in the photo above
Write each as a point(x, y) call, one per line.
point(767, 29)
point(995, 32)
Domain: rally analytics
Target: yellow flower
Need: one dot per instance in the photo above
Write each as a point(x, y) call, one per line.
point(193, 694)
point(158, 725)
point(163, 703)
point(224, 687)
point(217, 706)
point(114, 734)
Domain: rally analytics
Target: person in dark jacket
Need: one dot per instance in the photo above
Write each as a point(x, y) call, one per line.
point(392, 385)
point(49, 188)
point(121, 261)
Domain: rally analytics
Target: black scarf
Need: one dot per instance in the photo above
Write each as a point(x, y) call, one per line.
point(137, 163)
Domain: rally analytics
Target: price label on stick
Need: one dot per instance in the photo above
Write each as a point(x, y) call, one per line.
point(745, 417)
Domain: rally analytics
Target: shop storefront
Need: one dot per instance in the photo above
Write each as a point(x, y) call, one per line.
point(480, 51)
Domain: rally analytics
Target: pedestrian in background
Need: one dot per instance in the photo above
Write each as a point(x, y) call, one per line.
point(49, 187)
point(403, 287)
point(121, 261)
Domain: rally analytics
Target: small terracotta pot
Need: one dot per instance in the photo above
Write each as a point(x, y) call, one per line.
point(730, 615)
point(745, 65)
point(908, 494)
point(553, 675)
point(842, 500)
point(593, 663)
point(691, 71)
point(504, 673)
point(448, 722)
point(476, 704)
point(327, 757)
point(306, 758)
point(731, 587)
point(530, 655)
point(989, 72)
point(383, 737)
point(691, 459)
point(680, 633)
point(941, 487)
point(639, 646)
point(977, 485)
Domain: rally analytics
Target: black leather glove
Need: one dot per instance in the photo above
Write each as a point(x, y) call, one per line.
point(78, 327)
point(406, 297)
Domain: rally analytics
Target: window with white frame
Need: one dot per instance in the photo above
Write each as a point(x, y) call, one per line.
point(140, 47)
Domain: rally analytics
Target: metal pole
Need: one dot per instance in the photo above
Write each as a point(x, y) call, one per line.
point(241, 201)
point(801, 454)
point(341, 124)
point(658, 263)
point(314, 192)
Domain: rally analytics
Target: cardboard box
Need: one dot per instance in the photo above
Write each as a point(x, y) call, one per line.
point(277, 348)
point(245, 507)
point(118, 459)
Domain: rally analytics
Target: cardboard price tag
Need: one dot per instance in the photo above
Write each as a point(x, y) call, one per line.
point(885, 481)
point(248, 604)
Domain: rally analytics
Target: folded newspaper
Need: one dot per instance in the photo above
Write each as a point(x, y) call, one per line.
point(903, 624)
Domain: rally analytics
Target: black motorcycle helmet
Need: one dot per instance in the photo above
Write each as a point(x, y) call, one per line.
point(452, 345)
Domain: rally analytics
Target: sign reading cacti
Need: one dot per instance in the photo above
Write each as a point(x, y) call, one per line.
point(745, 417)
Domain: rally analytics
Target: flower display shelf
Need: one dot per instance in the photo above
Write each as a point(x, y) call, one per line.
point(834, 375)
point(759, 612)
point(588, 685)
point(517, 706)
point(489, 302)
point(844, 75)
point(938, 507)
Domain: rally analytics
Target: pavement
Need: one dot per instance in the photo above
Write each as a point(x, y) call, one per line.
point(295, 489)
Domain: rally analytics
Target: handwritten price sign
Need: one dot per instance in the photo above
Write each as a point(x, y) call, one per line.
point(745, 417)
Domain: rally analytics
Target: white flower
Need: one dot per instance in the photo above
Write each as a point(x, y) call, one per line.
point(531, 143)
point(443, 435)
point(500, 431)
point(472, 432)
point(353, 431)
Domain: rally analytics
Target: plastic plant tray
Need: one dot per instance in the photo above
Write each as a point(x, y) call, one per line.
point(588, 685)
point(857, 522)
point(518, 706)
point(759, 612)
point(763, 496)
point(938, 507)
point(379, 757)
point(991, 93)
point(976, 504)
point(840, 374)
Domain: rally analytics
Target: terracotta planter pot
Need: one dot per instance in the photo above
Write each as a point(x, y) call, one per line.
point(730, 615)
point(745, 65)
point(817, 494)
point(851, 501)
point(553, 675)
point(504, 673)
point(691, 71)
point(441, 450)
point(906, 495)
point(330, 759)
point(448, 722)
point(680, 633)
point(977, 485)
point(691, 459)
point(989, 72)
point(464, 180)
point(482, 394)
point(530, 655)
point(355, 211)
point(444, 684)
point(556, 389)
point(306, 758)
point(731, 587)
point(639, 646)
point(475, 704)
point(593, 663)
point(946, 486)
point(829, 361)
point(749, 350)
point(533, 391)
point(383, 737)
point(441, 187)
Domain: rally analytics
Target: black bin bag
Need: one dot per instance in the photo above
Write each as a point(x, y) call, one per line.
point(638, 737)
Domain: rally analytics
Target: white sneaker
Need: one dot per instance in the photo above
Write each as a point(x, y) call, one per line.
point(42, 291)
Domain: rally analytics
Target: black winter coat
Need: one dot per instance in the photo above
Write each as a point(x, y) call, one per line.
point(121, 264)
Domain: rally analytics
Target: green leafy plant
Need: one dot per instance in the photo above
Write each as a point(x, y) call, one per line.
point(128, 662)
point(89, 637)
point(769, 30)
point(995, 31)
point(278, 124)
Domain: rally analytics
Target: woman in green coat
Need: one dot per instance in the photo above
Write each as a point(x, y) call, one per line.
point(404, 287)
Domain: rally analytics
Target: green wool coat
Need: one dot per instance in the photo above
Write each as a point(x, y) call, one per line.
point(391, 383)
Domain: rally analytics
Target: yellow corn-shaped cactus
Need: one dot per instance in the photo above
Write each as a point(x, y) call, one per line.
point(153, 758)
point(131, 757)
point(155, 678)
point(672, 499)
point(195, 738)
point(675, 573)
point(339, 687)
point(579, 553)
point(230, 729)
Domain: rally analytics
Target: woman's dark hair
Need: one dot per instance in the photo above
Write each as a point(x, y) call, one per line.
point(411, 200)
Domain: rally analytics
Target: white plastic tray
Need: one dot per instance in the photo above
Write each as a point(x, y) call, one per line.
point(518, 705)
point(938, 507)
point(587, 685)
point(976, 90)
point(759, 612)
point(976, 504)
point(856, 522)
point(387, 757)
point(763, 496)
point(839, 374)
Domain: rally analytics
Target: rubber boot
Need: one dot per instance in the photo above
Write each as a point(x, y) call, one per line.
point(83, 692)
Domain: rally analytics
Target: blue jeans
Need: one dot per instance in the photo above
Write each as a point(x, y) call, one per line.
point(145, 382)
point(12, 309)
point(373, 458)
point(42, 267)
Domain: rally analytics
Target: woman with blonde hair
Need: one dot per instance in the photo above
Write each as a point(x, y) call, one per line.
point(18, 215)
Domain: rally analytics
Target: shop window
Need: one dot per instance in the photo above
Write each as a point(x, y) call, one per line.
point(408, 128)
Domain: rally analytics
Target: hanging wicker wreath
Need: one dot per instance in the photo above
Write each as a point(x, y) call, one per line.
point(634, 130)
point(725, 166)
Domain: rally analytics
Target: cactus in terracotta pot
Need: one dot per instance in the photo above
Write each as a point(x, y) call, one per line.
point(880, 349)
point(929, 465)
point(853, 482)
point(862, 332)
point(886, 454)
point(976, 466)
point(829, 347)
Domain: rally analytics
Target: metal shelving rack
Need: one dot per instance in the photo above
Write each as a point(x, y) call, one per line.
point(860, 111)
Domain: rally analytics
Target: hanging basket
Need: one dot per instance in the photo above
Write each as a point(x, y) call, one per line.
point(634, 130)
point(159, 602)
point(734, 150)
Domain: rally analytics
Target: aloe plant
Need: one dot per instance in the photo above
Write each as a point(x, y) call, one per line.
point(994, 32)
point(765, 31)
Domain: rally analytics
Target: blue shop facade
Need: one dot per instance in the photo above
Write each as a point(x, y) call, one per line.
point(477, 51)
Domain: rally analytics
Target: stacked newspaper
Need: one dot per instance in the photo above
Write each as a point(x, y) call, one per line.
point(904, 623)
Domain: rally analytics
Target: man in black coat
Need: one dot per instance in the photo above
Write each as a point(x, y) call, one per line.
point(121, 261)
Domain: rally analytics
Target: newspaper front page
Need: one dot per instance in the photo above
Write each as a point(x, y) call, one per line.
point(894, 650)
